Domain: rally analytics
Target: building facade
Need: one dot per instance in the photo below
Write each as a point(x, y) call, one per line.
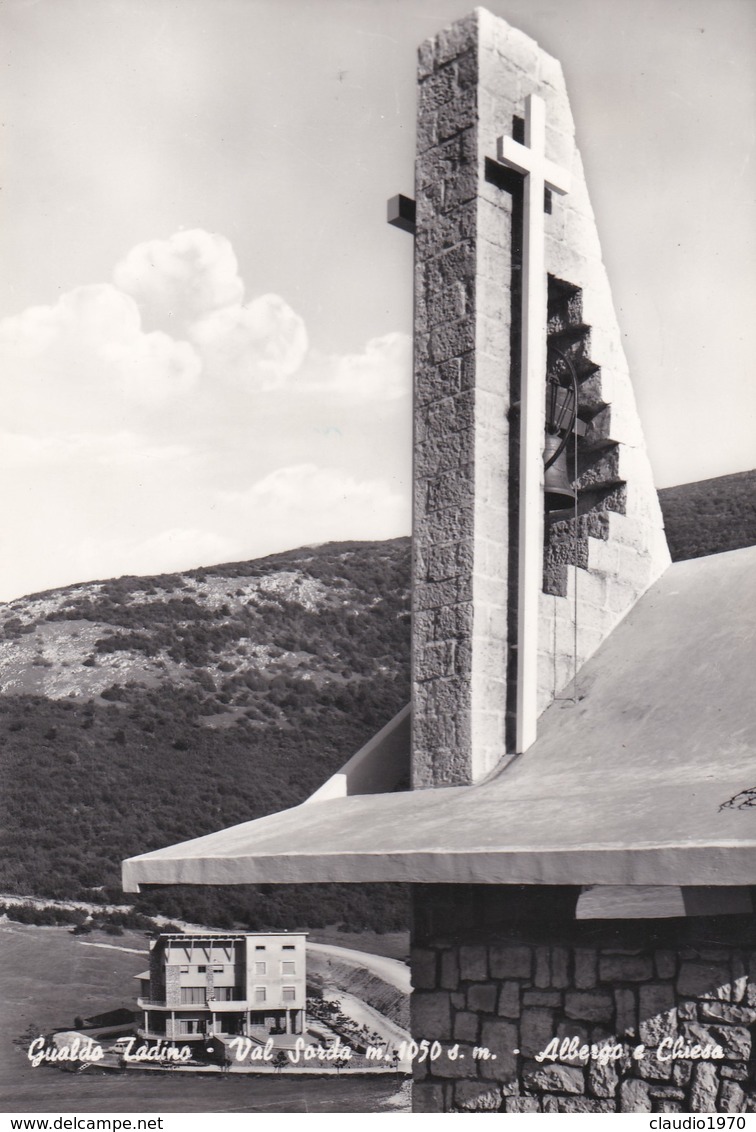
point(244, 983)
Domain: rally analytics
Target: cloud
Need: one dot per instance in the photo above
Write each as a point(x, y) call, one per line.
point(322, 504)
point(86, 358)
point(178, 281)
point(257, 346)
point(381, 373)
point(124, 443)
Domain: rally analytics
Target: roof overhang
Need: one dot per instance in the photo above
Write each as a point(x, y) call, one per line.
point(643, 781)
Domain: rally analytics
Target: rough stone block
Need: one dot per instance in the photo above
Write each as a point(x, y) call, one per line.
point(449, 970)
point(449, 340)
point(570, 1030)
point(726, 1012)
point(522, 1104)
point(472, 964)
point(510, 962)
point(736, 1072)
point(451, 414)
point(436, 89)
point(652, 1068)
point(536, 1030)
point(732, 1098)
point(635, 1096)
point(735, 1041)
point(423, 966)
point(585, 968)
point(466, 1026)
point(560, 958)
point(669, 1092)
point(602, 1079)
point(703, 1091)
point(456, 1066)
point(592, 1006)
point(542, 967)
point(427, 1097)
point(456, 115)
point(474, 1096)
point(704, 980)
point(461, 189)
point(446, 305)
point(509, 1000)
point(583, 1104)
point(431, 1015)
point(426, 59)
point(553, 1078)
point(542, 998)
point(501, 1039)
point(481, 997)
point(625, 968)
point(682, 1071)
point(666, 964)
point(658, 1018)
point(739, 978)
point(457, 39)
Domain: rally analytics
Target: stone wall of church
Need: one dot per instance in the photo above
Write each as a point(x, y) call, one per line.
point(510, 970)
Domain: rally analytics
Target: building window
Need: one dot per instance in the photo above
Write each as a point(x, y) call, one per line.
point(288, 947)
point(259, 947)
point(289, 994)
point(202, 968)
point(288, 967)
point(229, 994)
point(260, 994)
point(192, 995)
point(218, 970)
point(190, 1026)
point(183, 970)
point(261, 968)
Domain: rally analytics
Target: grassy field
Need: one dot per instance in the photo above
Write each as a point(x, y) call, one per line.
point(48, 976)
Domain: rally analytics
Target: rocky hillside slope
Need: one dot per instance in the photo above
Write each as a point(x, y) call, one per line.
point(141, 711)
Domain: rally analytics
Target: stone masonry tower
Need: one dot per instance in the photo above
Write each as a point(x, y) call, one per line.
point(474, 79)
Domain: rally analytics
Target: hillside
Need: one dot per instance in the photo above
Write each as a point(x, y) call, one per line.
point(710, 516)
point(142, 711)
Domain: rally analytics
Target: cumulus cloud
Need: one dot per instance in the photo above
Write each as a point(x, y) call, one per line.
point(132, 411)
point(257, 346)
point(180, 280)
point(381, 373)
point(87, 357)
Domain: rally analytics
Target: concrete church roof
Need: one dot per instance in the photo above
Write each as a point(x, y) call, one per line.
point(650, 779)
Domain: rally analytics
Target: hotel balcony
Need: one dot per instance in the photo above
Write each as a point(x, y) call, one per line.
point(214, 1004)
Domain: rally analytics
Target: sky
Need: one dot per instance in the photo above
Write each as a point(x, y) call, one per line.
point(205, 322)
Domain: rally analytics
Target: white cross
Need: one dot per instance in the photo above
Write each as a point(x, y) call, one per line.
point(540, 173)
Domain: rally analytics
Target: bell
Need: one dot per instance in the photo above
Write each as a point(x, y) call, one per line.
point(559, 494)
